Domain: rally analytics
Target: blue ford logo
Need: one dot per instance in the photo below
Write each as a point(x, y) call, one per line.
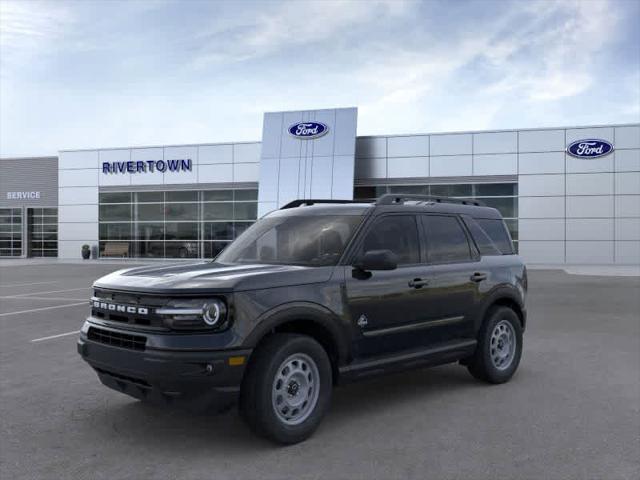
point(308, 130)
point(590, 148)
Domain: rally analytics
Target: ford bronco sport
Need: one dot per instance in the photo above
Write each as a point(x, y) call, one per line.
point(317, 293)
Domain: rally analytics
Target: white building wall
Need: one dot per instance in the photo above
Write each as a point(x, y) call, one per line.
point(80, 177)
point(570, 210)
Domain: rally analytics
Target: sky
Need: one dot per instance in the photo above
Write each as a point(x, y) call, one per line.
point(85, 74)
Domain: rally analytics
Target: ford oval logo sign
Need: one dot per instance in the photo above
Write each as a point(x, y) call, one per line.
point(308, 130)
point(590, 148)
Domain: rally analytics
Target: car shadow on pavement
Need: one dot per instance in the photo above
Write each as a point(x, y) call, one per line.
point(160, 426)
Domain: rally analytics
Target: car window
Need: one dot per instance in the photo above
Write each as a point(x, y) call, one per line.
point(398, 233)
point(497, 232)
point(446, 240)
point(483, 241)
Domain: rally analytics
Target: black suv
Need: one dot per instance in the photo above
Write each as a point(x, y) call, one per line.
point(317, 293)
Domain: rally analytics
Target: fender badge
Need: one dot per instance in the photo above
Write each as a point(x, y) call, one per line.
point(362, 321)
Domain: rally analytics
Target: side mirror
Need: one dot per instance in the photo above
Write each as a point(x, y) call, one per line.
point(377, 260)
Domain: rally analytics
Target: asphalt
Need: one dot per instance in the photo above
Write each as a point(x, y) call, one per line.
point(571, 411)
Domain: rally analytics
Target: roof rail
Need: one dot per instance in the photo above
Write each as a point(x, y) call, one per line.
point(400, 198)
point(300, 202)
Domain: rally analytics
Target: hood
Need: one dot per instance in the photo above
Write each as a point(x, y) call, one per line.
point(204, 277)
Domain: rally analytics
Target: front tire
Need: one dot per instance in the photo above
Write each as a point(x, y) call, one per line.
point(287, 388)
point(499, 349)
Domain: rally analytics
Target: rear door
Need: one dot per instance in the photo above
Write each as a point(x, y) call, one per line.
point(454, 274)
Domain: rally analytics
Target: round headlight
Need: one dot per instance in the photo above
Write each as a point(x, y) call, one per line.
point(212, 313)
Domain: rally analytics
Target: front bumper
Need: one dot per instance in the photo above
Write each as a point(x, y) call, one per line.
point(195, 379)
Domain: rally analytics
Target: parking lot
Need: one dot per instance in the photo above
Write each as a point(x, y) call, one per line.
point(572, 410)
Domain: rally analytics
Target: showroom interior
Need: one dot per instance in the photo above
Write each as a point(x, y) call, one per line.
point(190, 201)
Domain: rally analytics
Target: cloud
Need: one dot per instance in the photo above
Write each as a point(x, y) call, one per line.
point(28, 27)
point(294, 27)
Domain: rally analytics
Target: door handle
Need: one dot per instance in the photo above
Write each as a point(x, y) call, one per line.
point(418, 283)
point(478, 277)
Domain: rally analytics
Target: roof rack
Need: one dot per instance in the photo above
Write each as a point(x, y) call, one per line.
point(398, 199)
point(300, 202)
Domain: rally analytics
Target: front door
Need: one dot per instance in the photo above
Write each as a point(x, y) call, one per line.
point(384, 303)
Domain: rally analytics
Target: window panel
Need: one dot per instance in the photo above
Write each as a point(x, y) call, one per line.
point(115, 231)
point(245, 195)
point(115, 213)
point(409, 189)
point(117, 197)
point(217, 211)
point(397, 233)
point(446, 239)
point(182, 249)
point(149, 231)
point(188, 196)
point(149, 197)
point(149, 212)
point(181, 231)
point(181, 211)
point(246, 211)
point(217, 195)
point(508, 207)
point(218, 231)
point(495, 229)
point(496, 189)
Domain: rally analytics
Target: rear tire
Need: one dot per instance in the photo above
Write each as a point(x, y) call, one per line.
point(499, 349)
point(286, 390)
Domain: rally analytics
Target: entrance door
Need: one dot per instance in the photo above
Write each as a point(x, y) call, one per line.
point(42, 232)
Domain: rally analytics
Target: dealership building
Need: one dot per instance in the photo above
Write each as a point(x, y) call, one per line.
point(569, 195)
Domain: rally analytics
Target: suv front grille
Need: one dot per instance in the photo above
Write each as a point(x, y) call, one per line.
point(117, 339)
point(134, 310)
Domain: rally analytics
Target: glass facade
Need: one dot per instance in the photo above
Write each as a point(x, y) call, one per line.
point(10, 232)
point(174, 224)
point(503, 196)
point(42, 228)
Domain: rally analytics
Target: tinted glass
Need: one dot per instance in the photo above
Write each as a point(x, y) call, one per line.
point(483, 242)
point(217, 195)
point(368, 193)
point(508, 207)
point(309, 240)
point(244, 195)
point(181, 211)
point(496, 189)
point(397, 233)
point(115, 197)
point(115, 213)
point(150, 196)
point(410, 189)
point(181, 196)
point(246, 211)
point(497, 231)
point(446, 239)
point(217, 211)
point(149, 212)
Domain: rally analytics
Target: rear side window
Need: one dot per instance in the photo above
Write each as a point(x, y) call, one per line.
point(484, 243)
point(497, 231)
point(397, 233)
point(446, 240)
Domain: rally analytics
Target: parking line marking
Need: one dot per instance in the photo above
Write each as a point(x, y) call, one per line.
point(55, 336)
point(52, 291)
point(26, 284)
point(13, 297)
point(43, 308)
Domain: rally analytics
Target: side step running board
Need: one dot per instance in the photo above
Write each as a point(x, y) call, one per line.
point(444, 353)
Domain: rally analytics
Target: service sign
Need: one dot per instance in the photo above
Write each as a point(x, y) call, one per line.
point(308, 130)
point(589, 148)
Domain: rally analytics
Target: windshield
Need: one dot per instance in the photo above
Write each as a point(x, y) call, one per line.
point(315, 240)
